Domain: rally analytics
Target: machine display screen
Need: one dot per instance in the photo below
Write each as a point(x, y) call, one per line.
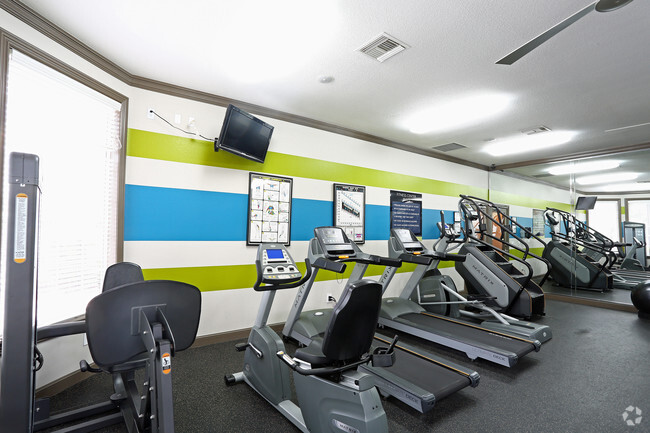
point(332, 236)
point(274, 254)
point(404, 235)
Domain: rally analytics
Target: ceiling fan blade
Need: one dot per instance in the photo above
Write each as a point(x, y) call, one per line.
point(539, 40)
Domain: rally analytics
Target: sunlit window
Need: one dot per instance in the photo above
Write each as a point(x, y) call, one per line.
point(75, 131)
point(605, 218)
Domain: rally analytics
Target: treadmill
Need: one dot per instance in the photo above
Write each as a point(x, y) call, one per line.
point(497, 345)
point(417, 378)
point(437, 293)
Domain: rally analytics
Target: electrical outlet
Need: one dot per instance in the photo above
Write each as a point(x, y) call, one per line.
point(191, 122)
point(150, 113)
point(177, 119)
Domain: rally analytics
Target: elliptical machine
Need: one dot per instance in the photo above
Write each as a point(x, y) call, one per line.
point(332, 394)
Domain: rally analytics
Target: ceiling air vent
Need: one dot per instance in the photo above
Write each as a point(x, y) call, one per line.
point(449, 147)
point(536, 130)
point(383, 47)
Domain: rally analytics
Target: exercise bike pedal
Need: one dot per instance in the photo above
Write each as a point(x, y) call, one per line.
point(240, 347)
point(84, 366)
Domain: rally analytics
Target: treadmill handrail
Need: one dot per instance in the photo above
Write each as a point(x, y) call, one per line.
point(371, 259)
point(419, 259)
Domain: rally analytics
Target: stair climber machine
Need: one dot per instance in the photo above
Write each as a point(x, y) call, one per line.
point(332, 394)
point(437, 294)
point(584, 258)
point(492, 274)
point(417, 378)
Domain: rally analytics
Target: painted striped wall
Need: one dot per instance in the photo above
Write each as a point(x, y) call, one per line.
point(186, 209)
point(185, 206)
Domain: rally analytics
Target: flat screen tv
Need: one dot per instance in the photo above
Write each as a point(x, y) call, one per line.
point(244, 134)
point(586, 203)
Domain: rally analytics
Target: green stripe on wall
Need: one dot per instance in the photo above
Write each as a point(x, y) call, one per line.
point(211, 278)
point(145, 144)
point(536, 251)
point(531, 202)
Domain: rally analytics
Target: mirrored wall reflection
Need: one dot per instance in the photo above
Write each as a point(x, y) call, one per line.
point(600, 250)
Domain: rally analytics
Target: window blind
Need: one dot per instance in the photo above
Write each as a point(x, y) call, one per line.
point(75, 131)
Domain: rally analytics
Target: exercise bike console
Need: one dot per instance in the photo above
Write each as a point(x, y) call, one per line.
point(276, 269)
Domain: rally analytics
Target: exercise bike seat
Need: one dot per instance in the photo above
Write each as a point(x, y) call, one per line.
point(351, 328)
point(113, 320)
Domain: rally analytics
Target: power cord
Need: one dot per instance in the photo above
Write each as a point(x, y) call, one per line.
point(180, 129)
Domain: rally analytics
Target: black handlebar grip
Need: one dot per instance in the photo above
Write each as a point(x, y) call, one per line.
point(329, 265)
point(417, 259)
point(386, 261)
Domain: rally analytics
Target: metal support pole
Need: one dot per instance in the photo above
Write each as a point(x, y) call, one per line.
point(17, 375)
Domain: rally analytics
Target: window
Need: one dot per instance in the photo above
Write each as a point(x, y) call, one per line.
point(75, 131)
point(605, 217)
point(638, 211)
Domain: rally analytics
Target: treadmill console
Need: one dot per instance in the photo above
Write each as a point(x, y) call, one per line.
point(276, 264)
point(334, 242)
point(407, 241)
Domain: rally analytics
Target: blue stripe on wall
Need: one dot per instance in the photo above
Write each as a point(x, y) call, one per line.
point(377, 222)
point(157, 214)
point(308, 214)
point(169, 214)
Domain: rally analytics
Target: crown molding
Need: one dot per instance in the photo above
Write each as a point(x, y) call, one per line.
point(577, 155)
point(41, 24)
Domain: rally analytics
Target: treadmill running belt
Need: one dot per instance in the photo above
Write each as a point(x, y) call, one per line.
point(430, 376)
point(469, 334)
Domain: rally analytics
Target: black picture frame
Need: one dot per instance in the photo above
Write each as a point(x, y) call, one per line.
point(269, 209)
point(350, 210)
point(406, 211)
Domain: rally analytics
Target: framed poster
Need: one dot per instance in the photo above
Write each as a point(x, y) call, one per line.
point(350, 210)
point(406, 211)
point(269, 209)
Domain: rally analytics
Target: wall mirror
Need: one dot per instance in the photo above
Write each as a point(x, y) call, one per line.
point(621, 215)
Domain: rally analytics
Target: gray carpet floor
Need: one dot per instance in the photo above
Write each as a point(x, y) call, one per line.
point(596, 365)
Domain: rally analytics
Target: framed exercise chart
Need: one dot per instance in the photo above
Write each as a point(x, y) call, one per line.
point(269, 209)
point(350, 210)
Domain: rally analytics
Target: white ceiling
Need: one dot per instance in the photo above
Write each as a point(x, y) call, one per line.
point(591, 77)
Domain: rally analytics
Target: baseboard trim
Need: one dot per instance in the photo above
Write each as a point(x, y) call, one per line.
point(610, 305)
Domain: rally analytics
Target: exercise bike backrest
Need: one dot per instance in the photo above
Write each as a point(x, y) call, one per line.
point(351, 328)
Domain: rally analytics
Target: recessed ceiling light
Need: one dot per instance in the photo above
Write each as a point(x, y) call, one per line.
point(606, 178)
point(583, 167)
point(457, 113)
point(528, 143)
point(325, 79)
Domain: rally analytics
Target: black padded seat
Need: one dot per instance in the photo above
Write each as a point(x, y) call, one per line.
point(112, 319)
point(313, 354)
point(351, 328)
point(121, 273)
